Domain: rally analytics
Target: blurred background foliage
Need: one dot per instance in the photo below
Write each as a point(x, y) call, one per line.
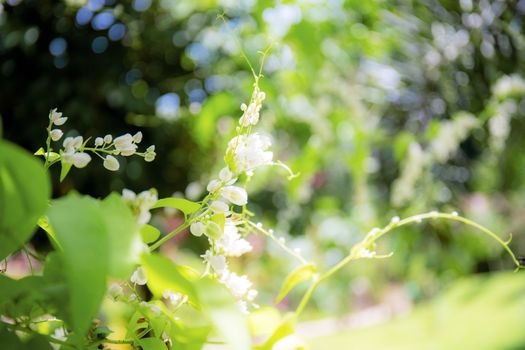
point(384, 107)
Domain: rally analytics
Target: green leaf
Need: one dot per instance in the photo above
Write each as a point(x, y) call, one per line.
point(152, 344)
point(96, 240)
point(285, 328)
point(300, 274)
point(81, 231)
point(124, 238)
point(64, 170)
point(221, 308)
point(149, 234)
point(184, 205)
point(24, 194)
point(163, 274)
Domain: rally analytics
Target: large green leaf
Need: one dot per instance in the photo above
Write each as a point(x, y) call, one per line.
point(81, 231)
point(124, 237)
point(96, 240)
point(221, 308)
point(163, 274)
point(24, 194)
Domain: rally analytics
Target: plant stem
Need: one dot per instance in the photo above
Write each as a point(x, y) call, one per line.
point(170, 235)
point(279, 243)
point(375, 234)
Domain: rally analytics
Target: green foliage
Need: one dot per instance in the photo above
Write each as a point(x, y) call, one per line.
point(220, 307)
point(300, 274)
point(184, 205)
point(24, 194)
point(97, 239)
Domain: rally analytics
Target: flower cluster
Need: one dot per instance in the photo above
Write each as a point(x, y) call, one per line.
point(75, 149)
point(223, 227)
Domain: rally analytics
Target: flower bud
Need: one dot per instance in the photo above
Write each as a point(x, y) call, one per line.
point(111, 163)
point(235, 195)
point(139, 277)
point(80, 159)
point(213, 230)
point(213, 185)
point(56, 117)
point(219, 207)
point(137, 137)
point(197, 229)
point(99, 141)
point(108, 138)
point(56, 134)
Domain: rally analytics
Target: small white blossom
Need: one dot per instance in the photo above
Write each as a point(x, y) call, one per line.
point(56, 134)
point(150, 154)
point(99, 141)
point(219, 207)
point(225, 174)
point(124, 144)
point(111, 163)
point(73, 143)
point(80, 159)
point(213, 230)
point(217, 262)
point(139, 277)
point(231, 243)
point(213, 185)
point(238, 285)
point(128, 195)
point(115, 290)
point(249, 152)
point(108, 138)
point(137, 138)
point(197, 229)
point(235, 195)
point(56, 117)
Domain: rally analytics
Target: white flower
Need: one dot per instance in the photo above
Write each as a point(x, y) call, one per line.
point(124, 144)
point(219, 207)
point(80, 159)
point(111, 163)
point(250, 114)
point(99, 141)
point(217, 262)
point(234, 194)
point(247, 152)
point(225, 174)
point(56, 134)
point(213, 230)
point(56, 117)
point(213, 185)
point(231, 243)
point(73, 143)
point(238, 285)
point(197, 229)
point(115, 290)
point(139, 276)
point(141, 203)
point(150, 154)
point(128, 195)
point(147, 198)
point(137, 137)
point(108, 138)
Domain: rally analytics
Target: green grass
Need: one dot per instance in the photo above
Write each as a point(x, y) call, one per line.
point(482, 313)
